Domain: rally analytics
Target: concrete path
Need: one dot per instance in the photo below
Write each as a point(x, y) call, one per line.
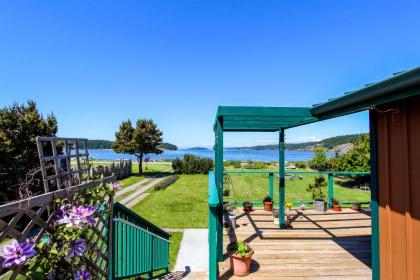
point(137, 200)
point(151, 183)
point(132, 187)
point(193, 254)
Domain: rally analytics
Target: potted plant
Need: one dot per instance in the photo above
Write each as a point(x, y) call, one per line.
point(226, 192)
point(357, 206)
point(336, 205)
point(319, 203)
point(240, 255)
point(268, 203)
point(288, 205)
point(247, 206)
point(276, 216)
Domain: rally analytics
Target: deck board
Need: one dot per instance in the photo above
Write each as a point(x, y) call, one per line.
point(331, 245)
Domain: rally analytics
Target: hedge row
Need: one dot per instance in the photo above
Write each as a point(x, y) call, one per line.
point(166, 183)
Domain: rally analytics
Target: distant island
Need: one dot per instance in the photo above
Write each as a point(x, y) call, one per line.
point(197, 149)
point(337, 143)
point(106, 144)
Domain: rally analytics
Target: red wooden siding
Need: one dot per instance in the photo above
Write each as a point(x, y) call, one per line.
point(399, 188)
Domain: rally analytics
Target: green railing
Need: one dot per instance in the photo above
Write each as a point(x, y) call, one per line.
point(138, 246)
point(215, 202)
point(271, 173)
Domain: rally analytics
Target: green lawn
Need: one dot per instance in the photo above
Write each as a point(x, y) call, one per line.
point(181, 205)
point(255, 186)
point(184, 204)
point(152, 170)
point(176, 238)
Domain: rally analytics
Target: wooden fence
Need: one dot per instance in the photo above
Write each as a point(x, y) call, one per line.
point(119, 168)
point(30, 219)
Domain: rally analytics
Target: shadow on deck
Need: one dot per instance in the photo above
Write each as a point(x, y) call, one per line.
point(330, 245)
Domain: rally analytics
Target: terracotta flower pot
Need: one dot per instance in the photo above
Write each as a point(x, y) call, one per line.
point(248, 207)
point(356, 206)
point(336, 208)
point(268, 206)
point(240, 265)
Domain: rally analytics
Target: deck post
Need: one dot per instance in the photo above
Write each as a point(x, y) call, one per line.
point(213, 243)
point(271, 185)
point(374, 208)
point(219, 185)
point(330, 189)
point(282, 174)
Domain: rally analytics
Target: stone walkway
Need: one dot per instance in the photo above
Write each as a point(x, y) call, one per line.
point(137, 200)
point(134, 195)
point(132, 187)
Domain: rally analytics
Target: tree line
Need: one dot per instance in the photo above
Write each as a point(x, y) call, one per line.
point(328, 143)
point(357, 159)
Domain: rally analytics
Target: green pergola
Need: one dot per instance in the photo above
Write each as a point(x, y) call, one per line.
point(257, 119)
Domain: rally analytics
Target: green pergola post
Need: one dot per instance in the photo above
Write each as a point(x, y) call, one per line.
point(330, 189)
point(271, 185)
point(213, 243)
point(282, 174)
point(374, 207)
point(219, 184)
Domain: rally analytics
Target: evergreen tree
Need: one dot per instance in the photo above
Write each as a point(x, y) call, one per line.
point(320, 160)
point(19, 126)
point(144, 139)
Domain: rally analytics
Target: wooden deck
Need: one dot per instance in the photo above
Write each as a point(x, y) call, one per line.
point(331, 245)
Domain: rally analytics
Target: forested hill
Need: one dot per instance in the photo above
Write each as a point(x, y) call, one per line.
point(329, 143)
point(106, 144)
point(99, 144)
point(168, 146)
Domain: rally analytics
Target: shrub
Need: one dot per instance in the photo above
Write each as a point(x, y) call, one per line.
point(166, 183)
point(316, 187)
point(192, 165)
point(254, 165)
point(234, 163)
point(300, 164)
point(237, 164)
point(319, 161)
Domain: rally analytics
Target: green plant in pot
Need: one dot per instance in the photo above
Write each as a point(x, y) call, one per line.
point(226, 192)
point(240, 255)
point(268, 203)
point(318, 196)
point(247, 206)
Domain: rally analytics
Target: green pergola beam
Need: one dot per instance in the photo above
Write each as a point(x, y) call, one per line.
point(262, 119)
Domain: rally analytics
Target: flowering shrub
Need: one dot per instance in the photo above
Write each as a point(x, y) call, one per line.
point(62, 252)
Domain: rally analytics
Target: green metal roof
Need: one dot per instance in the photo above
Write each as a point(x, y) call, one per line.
point(234, 118)
point(401, 85)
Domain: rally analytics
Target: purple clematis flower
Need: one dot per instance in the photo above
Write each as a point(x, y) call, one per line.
point(82, 274)
point(17, 253)
point(116, 186)
point(77, 247)
point(77, 216)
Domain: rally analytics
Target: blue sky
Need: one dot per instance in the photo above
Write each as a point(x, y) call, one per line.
point(97, 63)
